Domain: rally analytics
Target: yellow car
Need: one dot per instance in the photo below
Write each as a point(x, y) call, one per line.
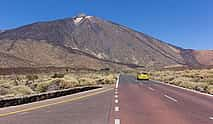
point(143, 76)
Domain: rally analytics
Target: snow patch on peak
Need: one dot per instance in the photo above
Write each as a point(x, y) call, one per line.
point(77, 20)
point(88, 17)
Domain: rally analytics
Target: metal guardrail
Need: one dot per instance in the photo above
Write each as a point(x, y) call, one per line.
point(42, 96)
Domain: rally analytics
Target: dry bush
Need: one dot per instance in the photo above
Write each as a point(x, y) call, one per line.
point(32, 77)
point(109, 79)
point(69, 83)
point(5, 88)
point(210, 89)
point(189, 85)
point(42, 87)
point(179, 80)
point(21, 90)
point(4, 91)
point(86, 81)
point(202, 87)
point(57, 84)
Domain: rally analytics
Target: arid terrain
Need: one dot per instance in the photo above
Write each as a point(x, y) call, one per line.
point(22, 85)
point(200, 80)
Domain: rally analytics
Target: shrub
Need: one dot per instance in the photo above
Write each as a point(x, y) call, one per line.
point(31, 77)
point(179, 80)
point(107, 79)
point(189, 85)
point(4, 91)
point(56, 84)
point(201, 87)
point(86, 81)
point(210, 89)
point(42, 87)
point(56, 75)
point(21, 90)
point(69, 83)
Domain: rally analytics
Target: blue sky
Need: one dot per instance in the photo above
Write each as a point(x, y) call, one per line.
point(185, 23)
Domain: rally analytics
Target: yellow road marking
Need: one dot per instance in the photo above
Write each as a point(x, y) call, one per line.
point(51, 104)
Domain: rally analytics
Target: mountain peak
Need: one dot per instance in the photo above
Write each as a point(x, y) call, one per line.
point(92, 41)
point(80, 17)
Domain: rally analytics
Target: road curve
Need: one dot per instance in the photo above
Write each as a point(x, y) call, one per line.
point(148, 102)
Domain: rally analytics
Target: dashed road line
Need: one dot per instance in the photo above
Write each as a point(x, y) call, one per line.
point(117, 121)
point(116, 86)
point(151, 89)
point(116, 108)
point(170, 98)
point(211, 118)
point(116, 101)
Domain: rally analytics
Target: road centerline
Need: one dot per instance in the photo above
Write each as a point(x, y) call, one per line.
point(116, 86)
point(117, 121)
point(116, 108)
point(116, 101)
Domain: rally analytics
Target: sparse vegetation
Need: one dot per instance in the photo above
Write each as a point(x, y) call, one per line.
point(200, 80)
point(20, 85)
point(21, 90)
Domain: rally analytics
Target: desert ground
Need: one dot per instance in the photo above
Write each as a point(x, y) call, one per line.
point(23, 84)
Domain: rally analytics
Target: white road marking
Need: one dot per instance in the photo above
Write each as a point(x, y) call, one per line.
point(117, 121)
point(116, 86)
point(211, 118)
point(151, 89)
point(116, 108)
point(171, 98)
point(116, 101)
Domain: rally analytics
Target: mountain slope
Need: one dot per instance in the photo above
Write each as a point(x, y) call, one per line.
point(204, 57)
point(91, 41)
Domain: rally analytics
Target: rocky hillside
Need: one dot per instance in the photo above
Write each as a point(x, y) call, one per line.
point(204, 57)
point(90, 42)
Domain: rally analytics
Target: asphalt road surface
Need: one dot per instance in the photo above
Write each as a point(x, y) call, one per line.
point(130, 102)
point(149, 102)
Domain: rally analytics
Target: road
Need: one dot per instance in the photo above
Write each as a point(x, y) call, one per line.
point(130, 102)
point(148, 102)
point(91, 107)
